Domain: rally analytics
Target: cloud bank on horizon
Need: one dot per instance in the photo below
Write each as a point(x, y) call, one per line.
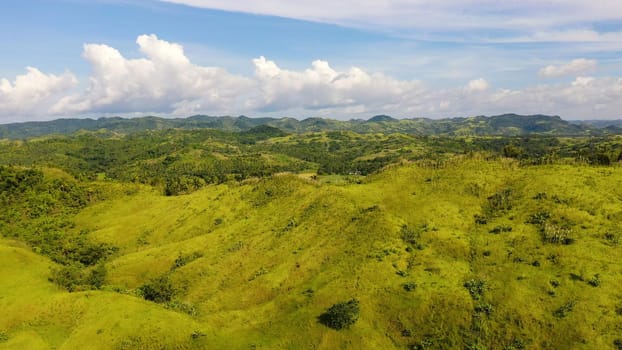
point(165, 81)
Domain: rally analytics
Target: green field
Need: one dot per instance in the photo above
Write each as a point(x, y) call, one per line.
point(442, 249)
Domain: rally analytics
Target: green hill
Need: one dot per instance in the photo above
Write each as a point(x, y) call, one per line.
point(266, 239)
point(501, 125)
point(470, 253)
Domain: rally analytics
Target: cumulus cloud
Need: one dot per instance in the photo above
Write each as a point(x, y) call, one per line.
point(477, 85)
point(33, 91)
point(574, 67)
point(321, 87)
point(166, 82)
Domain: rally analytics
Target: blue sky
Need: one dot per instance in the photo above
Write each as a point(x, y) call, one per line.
point(339, 59)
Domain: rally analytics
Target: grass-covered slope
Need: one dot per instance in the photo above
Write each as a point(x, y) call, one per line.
point(39, 315)
point(468, 253)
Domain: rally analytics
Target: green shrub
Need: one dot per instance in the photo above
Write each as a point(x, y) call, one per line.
point(476, 288)
point(159, 290)
point(480, 219)
point(475, 346)
point(184, 259)
point(540, 196)
point(197, 334)
point(554, 283)
point(516, 344)
point(97, 276)
point(423, 345)
point(75, 277)
point(539, 218)
point(612, 238)
point(563, 310)
point(484, 308)
point(500, 229)
point(500, 202)
point(411, 236)
point(594, 281)
point(186, 308)
point(401, 273)
point(341, 315)
point(69, 277)
point(409, 286)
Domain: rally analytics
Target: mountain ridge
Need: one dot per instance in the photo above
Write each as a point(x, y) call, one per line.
point(509, 124)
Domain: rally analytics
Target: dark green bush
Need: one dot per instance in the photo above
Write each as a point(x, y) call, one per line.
point(564, 310)
point(539, 218)
point(480, 219)
point(540, 195)
point(516, 344)
point(500, 202)
point(159, 290)
point(594, 281)
point(409, 286)
point(341, 315)
point(197, 334)
point(69, 277)
point(484, 308)
point(97, 276)
point(500, 229)
point(184, 259)
point(186, 308)
point(75, 277)
point(476, 288)
point(412, 236)
point(423, 345)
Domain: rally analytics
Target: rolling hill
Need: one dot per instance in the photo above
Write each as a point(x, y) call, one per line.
point(473, 253)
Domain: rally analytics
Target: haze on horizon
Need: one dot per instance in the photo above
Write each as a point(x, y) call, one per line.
point(78, 58)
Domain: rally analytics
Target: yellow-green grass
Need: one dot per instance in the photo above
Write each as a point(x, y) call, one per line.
point(277, 252)
point(38, 315)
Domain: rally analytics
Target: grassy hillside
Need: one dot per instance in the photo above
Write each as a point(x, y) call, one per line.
point(464, 253)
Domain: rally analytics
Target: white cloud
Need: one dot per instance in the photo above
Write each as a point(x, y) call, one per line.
point(32, 92)
point(477, 85)
point(574, 67)
point(611, 39)
point(447, 14)
point(584, 98)
point(322, 87)
point(166, 82)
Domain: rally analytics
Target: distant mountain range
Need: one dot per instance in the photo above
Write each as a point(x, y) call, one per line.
point(500, 125)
